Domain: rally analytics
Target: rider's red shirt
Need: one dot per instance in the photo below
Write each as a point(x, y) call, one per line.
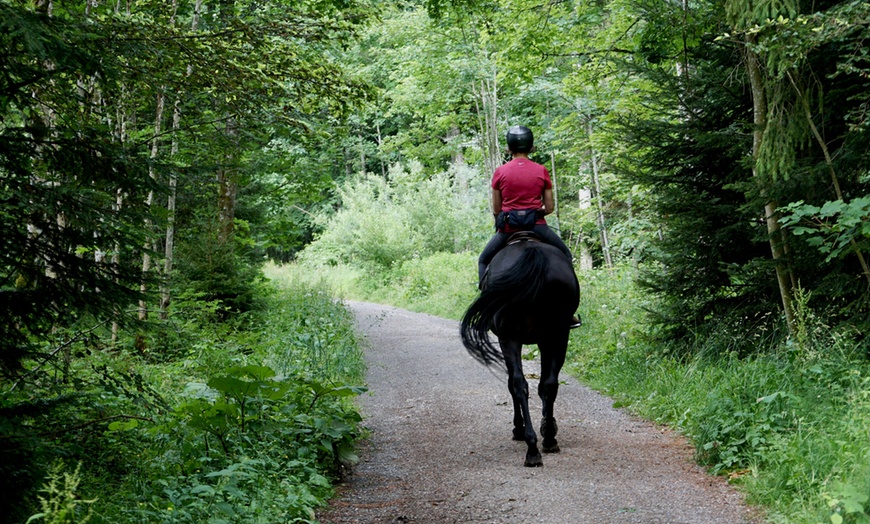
point(522, 184)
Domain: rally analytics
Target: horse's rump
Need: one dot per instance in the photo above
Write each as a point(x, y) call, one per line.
point(530, 291)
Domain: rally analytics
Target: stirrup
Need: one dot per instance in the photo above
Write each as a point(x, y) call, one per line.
point(575, 322)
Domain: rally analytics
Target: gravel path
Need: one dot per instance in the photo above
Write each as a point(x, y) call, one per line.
point(440, 449)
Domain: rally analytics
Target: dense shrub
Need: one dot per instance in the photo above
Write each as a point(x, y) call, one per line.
point(241, 418)
point(384, 222)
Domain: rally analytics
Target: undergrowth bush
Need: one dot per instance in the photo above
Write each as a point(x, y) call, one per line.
point(231, 418)
point(442, 284)
point(384, 222)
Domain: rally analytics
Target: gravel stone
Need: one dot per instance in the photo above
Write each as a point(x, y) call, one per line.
point(440, 448)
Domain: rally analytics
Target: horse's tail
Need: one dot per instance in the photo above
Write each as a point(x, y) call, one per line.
point(510, 290)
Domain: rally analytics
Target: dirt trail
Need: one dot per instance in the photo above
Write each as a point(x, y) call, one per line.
point(441, 451)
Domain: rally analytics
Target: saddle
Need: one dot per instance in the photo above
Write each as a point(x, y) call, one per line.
point(522, 236)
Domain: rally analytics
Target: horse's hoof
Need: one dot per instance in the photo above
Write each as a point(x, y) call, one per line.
point(533, 461)
point(550, 448)
point(519, 434)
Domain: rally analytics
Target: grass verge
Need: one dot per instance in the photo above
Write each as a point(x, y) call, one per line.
point(787, 424)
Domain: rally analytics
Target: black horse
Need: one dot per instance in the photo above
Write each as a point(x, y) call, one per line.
point(529, 296)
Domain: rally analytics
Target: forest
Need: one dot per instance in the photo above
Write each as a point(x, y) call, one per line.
point(188, 188)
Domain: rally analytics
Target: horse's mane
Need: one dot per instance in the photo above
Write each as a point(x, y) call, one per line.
point(516, 287)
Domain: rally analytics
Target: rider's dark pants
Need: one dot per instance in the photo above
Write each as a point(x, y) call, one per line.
point(499, 240)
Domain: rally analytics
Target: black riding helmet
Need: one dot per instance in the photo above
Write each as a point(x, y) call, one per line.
point(520, 139)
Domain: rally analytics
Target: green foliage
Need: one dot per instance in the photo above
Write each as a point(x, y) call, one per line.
point(442, 284)
point(848, 504)
point(384, 222)
point(267, 428)
point(610, 305)
point(311, 331)
point(105, 108)
point(210, 430)
point(225, 272)
point(712, 265)
point(836, 228)
point(60, 174)
point(59, 504)
point(426, 74)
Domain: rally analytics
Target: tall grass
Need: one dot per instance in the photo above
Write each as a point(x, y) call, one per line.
point(443, 284)
point(789, 424)
point(308, 330)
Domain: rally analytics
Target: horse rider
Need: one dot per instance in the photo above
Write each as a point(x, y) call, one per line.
point(522, 195)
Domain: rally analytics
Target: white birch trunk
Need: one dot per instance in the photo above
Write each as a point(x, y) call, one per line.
point(486, 102)
point(585, 255)
point(169, 246)
point(146, 257)
point(599, 205)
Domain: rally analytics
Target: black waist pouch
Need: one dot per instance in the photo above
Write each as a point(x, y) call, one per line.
point(517, 219)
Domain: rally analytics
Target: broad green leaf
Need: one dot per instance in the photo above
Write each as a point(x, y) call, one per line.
point(801, 230)
point(203, 489)
point(234, 387)
point(347, 454)
point(255, 372)
point(123, 425)
point(831, 208)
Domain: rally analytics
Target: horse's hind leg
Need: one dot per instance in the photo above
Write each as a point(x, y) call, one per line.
point(519, 432)
point(552, 359)
point(519, 389)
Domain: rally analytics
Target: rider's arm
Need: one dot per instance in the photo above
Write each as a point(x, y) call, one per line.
point(549, 201)
point(496, 202)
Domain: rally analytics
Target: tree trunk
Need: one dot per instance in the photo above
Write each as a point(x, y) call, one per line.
point(227, 176)
point(635, 263)
point(169, 246)
point(771, 213)
point(380, 144)
point(457, 158)
point(585, 201)
point(146, 257)
point(487, 117)
point(599, 205)
point(116, 263)
point(228, 187)
point(121, 136)
point(555, 187)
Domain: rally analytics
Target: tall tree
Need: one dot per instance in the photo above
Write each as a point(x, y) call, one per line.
point(743, 17)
